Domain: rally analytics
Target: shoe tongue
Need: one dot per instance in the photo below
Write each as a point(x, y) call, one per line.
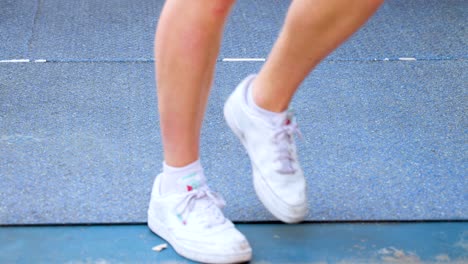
point(191, 181)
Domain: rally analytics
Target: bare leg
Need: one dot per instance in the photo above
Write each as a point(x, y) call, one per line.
point(313, 29)
point(183, 210)
point(186, 46)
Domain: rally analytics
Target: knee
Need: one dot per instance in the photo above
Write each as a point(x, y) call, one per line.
point(221, 8)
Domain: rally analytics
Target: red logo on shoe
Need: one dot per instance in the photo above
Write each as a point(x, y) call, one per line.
point(189, 188)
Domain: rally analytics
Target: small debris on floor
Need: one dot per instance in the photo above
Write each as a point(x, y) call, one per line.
point(159, 248)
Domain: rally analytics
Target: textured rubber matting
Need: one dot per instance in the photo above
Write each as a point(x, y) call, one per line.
point(17, 22)
point(79, 142)
point(123, 30)
point(79, 134)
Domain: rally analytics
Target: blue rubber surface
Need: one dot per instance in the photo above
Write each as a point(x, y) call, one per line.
point(95, 30)
point(79, 142)
point(271, 243)
point(17, 19)
point(123, 30)
point(419, 28)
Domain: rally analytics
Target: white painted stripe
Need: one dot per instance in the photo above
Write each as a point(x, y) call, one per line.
point(224, 59)
point(244, 59)
point(407, 59)
point(15, 60)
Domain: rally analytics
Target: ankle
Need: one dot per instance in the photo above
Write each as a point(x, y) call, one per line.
point(265, 101)
point(181, 179)
point(272, 117)
point(178, 152)
point(175, 169)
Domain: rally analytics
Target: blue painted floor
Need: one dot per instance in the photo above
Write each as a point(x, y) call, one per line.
point(272, 243)
point(383, 138)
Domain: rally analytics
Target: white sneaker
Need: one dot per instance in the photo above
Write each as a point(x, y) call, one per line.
point(192, 222)
point(278, 178)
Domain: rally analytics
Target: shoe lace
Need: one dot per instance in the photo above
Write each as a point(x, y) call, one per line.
point(284, 139)
point(206, 203)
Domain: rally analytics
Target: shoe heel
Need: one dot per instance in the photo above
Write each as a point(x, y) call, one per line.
point(231, 121)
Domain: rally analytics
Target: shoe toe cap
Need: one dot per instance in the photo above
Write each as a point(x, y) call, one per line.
point(232, 241)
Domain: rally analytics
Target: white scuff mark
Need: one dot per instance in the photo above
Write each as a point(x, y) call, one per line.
point(88, 261)
point(276, 236)
point(442, 258)
point(406, 59)
point(243, 59)
point(384, 251)
point(102, 261)
point(359, 247)
point(160, 247)
point(40, 60)
point(394, 255)
point(15, 60)
point(462, 242)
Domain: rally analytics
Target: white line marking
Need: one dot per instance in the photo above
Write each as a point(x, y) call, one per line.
point(407, 59)
point(224, 59)
point(244, 59)
point(16, 60)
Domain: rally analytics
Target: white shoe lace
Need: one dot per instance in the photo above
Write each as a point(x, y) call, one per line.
point(207, 211)
point(284, 139)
